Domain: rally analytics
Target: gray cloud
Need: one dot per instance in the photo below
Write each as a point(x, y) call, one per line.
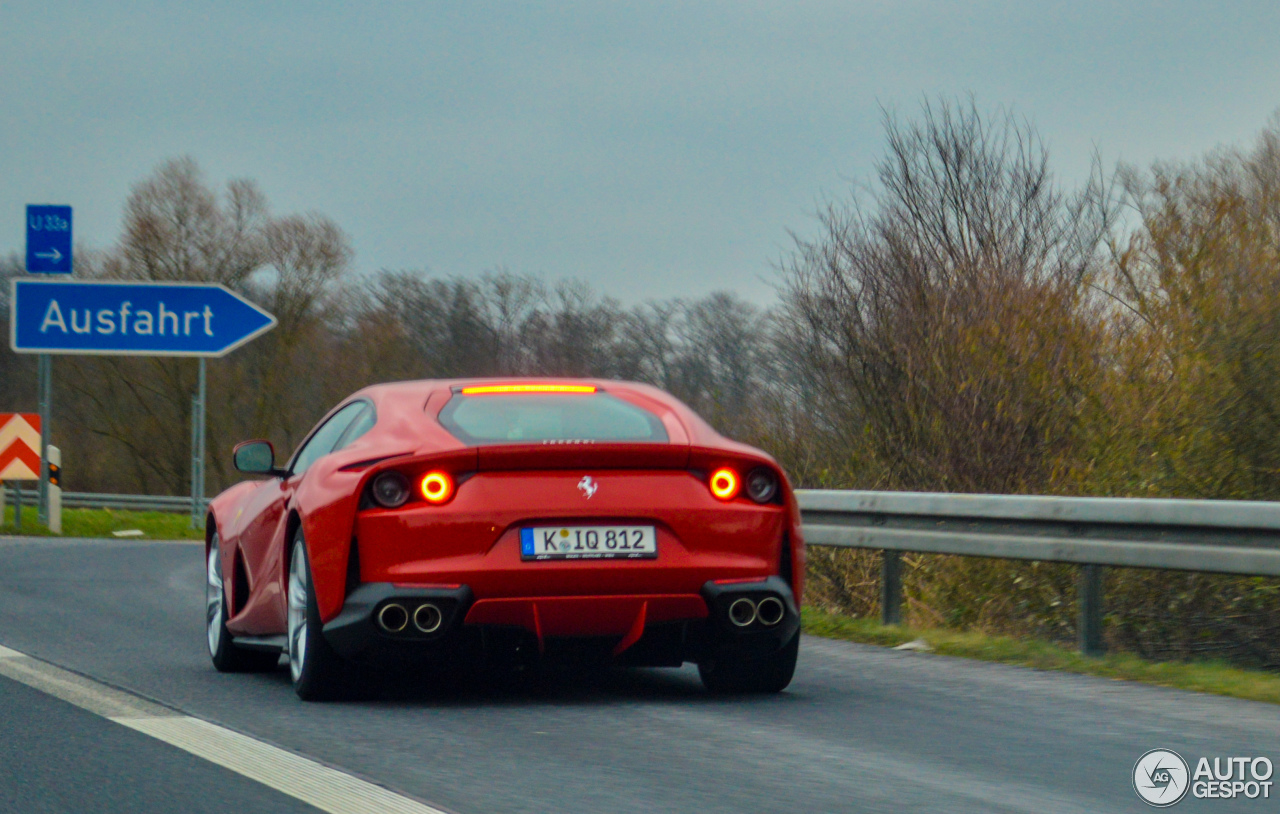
point(653, 149)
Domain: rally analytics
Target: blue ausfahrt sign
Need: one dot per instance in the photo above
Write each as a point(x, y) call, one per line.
point(131, 319)
point(49, 239)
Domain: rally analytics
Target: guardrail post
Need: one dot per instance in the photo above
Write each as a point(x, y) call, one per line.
point(891, 588)
point(1090, 600)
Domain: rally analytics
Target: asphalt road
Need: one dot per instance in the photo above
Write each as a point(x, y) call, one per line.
point(55, 757)
point(862, 729)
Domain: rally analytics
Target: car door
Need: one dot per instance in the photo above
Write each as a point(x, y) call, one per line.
point(262, 537)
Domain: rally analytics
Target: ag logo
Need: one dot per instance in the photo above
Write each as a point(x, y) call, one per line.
point(588, 487)
point(1160, 777)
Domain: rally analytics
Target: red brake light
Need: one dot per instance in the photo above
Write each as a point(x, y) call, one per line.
point(488, 389)
point(436, 487)
point(724, 484)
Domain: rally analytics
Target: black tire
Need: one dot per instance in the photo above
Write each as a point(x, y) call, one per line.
point(226, 656)
point(317, 671)
point(736, 674)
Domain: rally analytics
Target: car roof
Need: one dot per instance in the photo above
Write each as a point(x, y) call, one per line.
point(414, 396)
point(424, 388)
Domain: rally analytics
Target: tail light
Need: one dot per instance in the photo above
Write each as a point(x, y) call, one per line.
point(490, 389)
point(436, 487)
point(724, 484)
point(762, 485)
point(390, 490)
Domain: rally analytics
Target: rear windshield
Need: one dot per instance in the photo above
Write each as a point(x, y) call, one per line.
point(548, 418)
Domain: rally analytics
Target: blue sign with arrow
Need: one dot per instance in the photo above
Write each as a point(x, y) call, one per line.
point(131, 318)
point(49, 239)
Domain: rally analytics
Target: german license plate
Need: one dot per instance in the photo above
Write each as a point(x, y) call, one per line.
point(588, 543)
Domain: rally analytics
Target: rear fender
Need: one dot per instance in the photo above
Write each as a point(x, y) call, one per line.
point(327, 500)
point(795, 540)
point(223, 512)
point(743, 459)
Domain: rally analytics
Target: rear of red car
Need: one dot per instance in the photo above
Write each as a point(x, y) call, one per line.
point(584, 518)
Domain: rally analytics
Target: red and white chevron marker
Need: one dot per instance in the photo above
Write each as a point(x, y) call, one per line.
point(19, 446)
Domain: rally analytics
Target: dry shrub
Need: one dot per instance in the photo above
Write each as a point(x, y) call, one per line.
point(1201, 279)
point(1170, 615)
point(967, 593)
point(843, 580)
point(994, 596)
point(966, 335)
point(948, 324)
point(946, 320)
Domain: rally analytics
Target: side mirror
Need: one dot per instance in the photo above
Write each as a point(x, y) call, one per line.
point(255, 458)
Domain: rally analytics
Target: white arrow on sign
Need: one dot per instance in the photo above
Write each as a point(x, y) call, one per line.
point(54, 255)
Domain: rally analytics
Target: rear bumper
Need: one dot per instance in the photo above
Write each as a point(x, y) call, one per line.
point(756, 638)
point(654, 629)
point(354, 633)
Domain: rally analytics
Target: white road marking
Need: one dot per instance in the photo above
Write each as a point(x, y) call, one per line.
point(76, 689)
point(18, 539)
point(326, 788)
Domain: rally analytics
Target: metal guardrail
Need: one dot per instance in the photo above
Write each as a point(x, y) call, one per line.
point(179, 504)
point(1229, 537)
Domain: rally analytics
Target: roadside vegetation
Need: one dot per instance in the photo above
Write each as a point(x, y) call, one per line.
point(961, 321)
point(103, 523)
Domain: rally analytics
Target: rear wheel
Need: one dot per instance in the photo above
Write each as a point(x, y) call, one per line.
point(318, 672)
point(227, 658)
point(738, 674)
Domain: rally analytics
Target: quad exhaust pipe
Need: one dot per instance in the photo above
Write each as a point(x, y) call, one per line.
point(743, 612)
point(770, 611)
point(427, 618)
point(394, 617)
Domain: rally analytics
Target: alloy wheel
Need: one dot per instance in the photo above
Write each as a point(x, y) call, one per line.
point(297, 610)
point(214, 610)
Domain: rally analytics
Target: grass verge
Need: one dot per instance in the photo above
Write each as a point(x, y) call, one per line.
point(1214, 677)
point(102, 522)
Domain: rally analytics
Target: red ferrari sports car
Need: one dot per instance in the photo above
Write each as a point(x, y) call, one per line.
point(509, 521)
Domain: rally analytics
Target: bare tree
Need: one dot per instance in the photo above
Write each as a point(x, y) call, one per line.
point(305, 258)
point(943, 314)
point(17, 371)
point(573, 333)
point(177, 228)
point(1200, 279)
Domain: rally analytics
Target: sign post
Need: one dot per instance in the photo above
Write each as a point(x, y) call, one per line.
point(48, 252)
point(44, 395)
point(197, 449)
point(114, 318)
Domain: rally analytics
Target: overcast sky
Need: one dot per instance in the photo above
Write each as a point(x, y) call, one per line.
point(653, 149)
